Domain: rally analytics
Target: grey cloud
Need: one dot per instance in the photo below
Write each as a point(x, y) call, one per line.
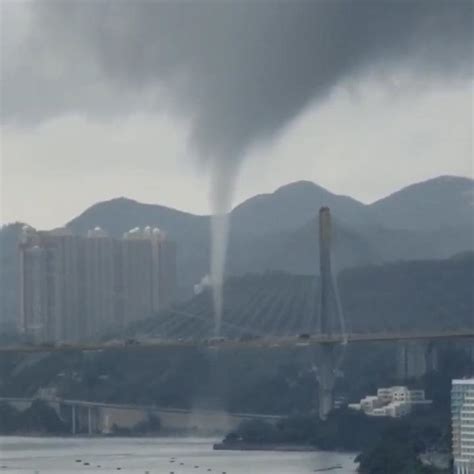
point(241, 70)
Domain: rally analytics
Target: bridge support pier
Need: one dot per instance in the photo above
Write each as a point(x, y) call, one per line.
point(73, 419)
point(326, 379)
point(416, 359)
point(89, 421)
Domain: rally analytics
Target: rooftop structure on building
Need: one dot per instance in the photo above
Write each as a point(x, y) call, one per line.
point(96, 232)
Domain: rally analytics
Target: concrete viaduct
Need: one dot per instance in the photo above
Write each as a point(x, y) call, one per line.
point(93, 418)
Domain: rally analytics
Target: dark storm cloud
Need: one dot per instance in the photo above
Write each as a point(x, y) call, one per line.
point(241, 70)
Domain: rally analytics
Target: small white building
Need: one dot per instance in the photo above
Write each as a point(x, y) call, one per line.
point(391, 401)
point(400, 394)
point(393, 410)
point(385, 394)
point(370, 403)
point(354, 406)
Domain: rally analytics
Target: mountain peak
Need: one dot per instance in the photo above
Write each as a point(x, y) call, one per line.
point(293, 205)
point(113, 203)
point(449, 178)
point(444, 182)
point(300, 185)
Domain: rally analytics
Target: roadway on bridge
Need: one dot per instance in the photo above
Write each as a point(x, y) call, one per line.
point(255, 342)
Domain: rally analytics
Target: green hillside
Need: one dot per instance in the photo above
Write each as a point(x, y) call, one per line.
point(414, 295)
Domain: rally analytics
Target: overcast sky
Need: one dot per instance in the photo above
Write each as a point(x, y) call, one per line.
point(161, 101)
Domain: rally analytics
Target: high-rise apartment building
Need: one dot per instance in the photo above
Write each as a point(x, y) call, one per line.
point(148, 269)
point(50, 296)
point(167, 272)
point(462, 416)
point(35, 310)
point(137, 285)
point(65, 254)
point(78, 288)
point(100, 283)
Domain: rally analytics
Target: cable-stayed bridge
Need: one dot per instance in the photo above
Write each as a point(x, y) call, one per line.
point(303, 340)
point(307, 314)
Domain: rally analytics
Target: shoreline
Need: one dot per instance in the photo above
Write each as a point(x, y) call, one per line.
point(262, 447)
point(158, 435)
point(300, 448)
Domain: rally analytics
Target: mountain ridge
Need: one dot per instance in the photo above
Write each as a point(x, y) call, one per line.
point(278, 231)
point(444, 201)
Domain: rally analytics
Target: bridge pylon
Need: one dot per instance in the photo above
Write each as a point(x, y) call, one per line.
point(329, 305)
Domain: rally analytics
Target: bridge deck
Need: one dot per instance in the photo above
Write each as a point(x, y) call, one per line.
point(261, 342)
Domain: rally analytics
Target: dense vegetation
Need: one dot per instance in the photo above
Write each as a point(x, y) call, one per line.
point(344, 429)
point(417, 295)
point(181, 379)
point(396, 452)
point(39, 418)
point(251, 381)
point(389, 446)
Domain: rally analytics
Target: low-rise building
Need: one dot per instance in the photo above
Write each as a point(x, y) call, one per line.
point(393, 410)
point(391, 401)
point(370, 403)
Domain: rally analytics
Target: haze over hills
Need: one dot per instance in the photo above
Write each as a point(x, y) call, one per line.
point(278, 231)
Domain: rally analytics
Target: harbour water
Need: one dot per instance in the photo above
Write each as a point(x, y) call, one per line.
point(20, 455)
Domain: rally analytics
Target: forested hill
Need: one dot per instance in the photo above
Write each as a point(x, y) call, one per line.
point(414, 295)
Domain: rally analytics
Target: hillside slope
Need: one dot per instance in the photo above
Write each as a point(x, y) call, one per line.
point(404, 296)
point(446, 201)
